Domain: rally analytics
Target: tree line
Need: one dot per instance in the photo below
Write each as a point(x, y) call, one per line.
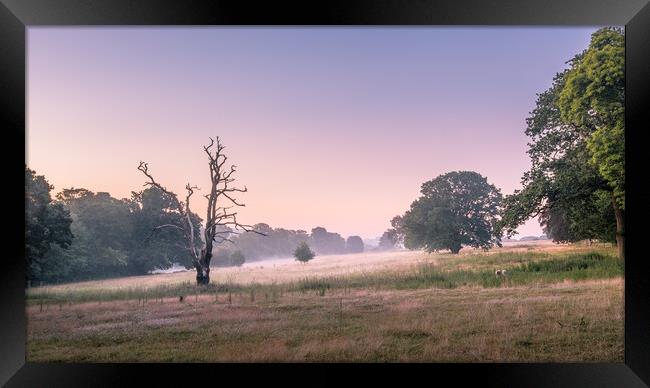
point(80, 235)
point(577, 181)
point(281, 243)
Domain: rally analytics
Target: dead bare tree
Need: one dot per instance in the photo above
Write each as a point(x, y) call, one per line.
point(220, 222)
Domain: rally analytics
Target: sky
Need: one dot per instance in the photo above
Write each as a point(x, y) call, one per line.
point(334, 127)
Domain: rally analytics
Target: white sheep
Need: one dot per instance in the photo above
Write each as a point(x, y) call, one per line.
point(500, 272)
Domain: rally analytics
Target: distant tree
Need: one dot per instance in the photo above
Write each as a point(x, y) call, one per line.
point(388, 240)
point(354, 244)
point(326, 243)
point(221, 256)
point(276, 242)
point(455, 209)
point(303, 253)
point(237, 259)
point(47, 224)
point(398, 227)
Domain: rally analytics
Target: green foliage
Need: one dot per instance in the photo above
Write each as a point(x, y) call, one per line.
point(576, 148)
point(151, 208)
point(112, 237)
point(594, 97)
point(303, 253)
point(47, 225)
point(574, 262)
point(589, 217)
point(102, 232)
point(455, 209)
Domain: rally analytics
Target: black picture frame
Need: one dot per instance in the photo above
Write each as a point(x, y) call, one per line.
point(17, 15)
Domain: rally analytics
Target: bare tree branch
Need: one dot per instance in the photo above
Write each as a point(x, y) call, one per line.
point(190, 191)
point(216, 214)
point(144, 167)
point(157, 228)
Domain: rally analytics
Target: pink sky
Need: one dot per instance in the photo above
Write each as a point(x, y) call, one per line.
point(328, 127)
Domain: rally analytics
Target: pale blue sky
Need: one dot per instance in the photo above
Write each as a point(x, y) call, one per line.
point(336, 127)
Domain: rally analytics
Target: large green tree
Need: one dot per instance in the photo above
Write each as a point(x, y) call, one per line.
point(150, 208)
point(577, 180)
point(455, 209)
point(47, 224)
point(103, 233)
point(113, 237)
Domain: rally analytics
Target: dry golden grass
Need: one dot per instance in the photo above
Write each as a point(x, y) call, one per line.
point(563, 322)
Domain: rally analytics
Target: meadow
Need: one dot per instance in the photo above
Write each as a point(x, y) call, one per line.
point(560, 303)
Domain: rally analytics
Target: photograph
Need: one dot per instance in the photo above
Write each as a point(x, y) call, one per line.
point(325, 194)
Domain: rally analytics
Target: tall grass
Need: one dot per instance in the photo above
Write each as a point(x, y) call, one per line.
point(521, 271)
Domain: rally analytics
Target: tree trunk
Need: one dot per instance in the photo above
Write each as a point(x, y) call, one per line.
point(202, 275)
point(203, 268)
point(620, 228)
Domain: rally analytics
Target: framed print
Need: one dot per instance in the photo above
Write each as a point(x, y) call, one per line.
point(393, 191)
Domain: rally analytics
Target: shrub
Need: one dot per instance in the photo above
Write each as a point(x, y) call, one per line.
point(303, 253)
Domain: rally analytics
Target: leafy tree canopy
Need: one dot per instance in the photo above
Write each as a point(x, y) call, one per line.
point(593, 97)
point(47, 224)
point(148, 209)
point(455, 209)
point(577, 149)
point(303, 253)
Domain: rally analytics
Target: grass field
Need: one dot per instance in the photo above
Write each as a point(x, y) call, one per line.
point(557, 303)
